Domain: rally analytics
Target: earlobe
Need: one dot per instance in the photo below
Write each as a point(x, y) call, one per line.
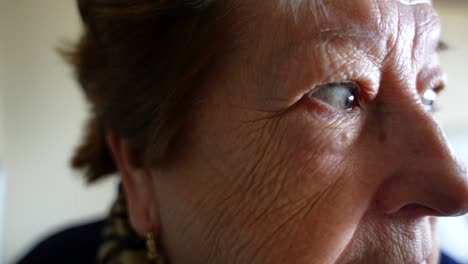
point(138, 184)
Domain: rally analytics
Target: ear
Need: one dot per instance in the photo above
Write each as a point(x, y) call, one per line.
point(138, 184)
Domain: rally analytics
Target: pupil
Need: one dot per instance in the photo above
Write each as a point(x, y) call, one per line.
point(349, 102)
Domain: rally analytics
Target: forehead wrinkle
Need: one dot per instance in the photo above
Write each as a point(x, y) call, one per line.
point(339, 37)
point(373, 22)
point(426, 35)
point(360, 28)
point(358, 35)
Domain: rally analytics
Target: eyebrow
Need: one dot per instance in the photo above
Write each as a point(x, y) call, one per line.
point(442, 46)
point(358, 35)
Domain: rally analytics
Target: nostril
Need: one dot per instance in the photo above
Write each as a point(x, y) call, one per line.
point(425, 189)
point(417, 210)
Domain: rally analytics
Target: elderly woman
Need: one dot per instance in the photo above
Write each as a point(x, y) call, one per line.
point(280, 131)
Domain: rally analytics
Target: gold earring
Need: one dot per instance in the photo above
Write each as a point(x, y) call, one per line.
point(151, 246)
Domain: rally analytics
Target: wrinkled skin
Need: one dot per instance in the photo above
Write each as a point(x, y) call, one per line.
point(267, 173)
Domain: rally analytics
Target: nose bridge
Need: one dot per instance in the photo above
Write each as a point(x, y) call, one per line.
point(404, 121)
point(425, 173)
point(422, 134)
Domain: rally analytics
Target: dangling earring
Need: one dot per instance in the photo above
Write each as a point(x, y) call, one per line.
point(151, 246)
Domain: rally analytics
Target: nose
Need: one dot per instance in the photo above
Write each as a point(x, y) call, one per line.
point(426, 178)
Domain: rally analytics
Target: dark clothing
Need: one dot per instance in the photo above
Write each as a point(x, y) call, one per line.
point(108, 241)
point(79, 245)
point(74, 245)
point(445, 259)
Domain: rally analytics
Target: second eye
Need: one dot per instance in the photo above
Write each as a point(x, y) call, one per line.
point(341, 96)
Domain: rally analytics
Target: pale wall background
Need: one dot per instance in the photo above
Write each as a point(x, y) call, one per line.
point(2, 159)
point(2, 122)
point(43, 112)
point(453, 232)
point(2, 152)
point(454, 108)
point(2, 142)
point(2, 88)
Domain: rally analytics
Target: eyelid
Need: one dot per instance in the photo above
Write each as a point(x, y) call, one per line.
point(350, 84)
point(433, 78)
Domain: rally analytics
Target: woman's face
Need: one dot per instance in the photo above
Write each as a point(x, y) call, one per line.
point(313, 140)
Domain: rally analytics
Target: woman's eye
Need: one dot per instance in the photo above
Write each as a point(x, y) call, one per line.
point(341, 96)
point(429, 98)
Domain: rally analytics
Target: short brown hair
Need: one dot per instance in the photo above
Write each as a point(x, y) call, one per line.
point(137, 62)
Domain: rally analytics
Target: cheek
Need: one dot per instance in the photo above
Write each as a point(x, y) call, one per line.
point(311, 195)
point(322, 151)
point(284, 186)
point(324, 186)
